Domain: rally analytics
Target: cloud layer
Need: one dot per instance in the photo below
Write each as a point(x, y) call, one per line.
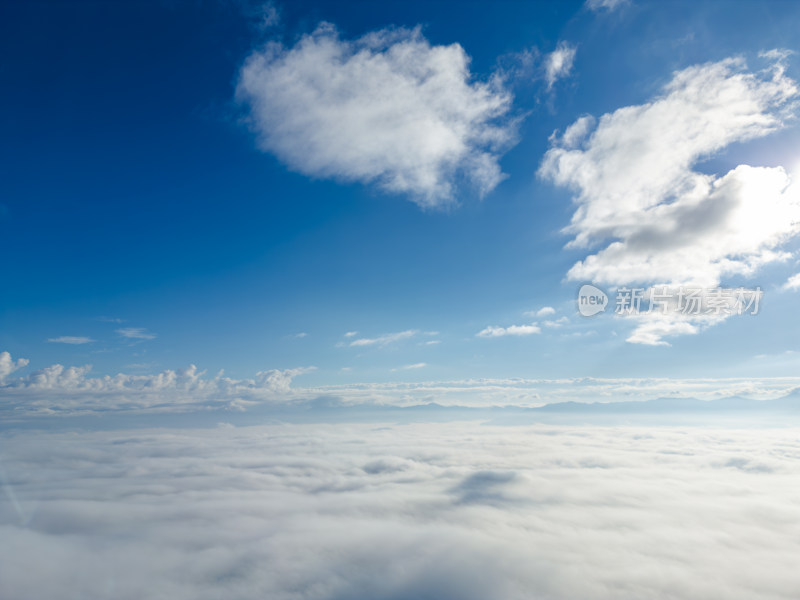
point(387, 108)
point(57, 391)
point(457, 511)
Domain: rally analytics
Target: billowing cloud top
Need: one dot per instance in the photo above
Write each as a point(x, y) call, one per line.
point(9, 365)
point(388, 108)
point(667, 223)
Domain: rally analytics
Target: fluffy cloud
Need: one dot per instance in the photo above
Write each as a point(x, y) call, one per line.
point(558, 63)
point(71, 339)
point(8, 365)
point(388, 108)
point(327, 512)
point(515, 330)
point(638, 195)
point(60, 390)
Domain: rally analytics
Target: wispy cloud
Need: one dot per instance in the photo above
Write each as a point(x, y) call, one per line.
point(263, 15)
point(136, 333)
point(558, 63)
point(387, 108)
point(420, 365)
point(71, 339)
point(609, 5)
point(383, 340)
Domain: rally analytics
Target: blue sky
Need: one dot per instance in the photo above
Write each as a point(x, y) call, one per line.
point(240, 186)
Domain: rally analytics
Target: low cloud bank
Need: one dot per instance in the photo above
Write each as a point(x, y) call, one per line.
point(424, 511)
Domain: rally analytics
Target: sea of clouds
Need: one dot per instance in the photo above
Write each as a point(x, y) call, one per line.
point(425, 511)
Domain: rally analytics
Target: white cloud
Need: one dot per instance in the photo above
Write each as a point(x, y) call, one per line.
point(57, 389)
point(9, 365)
point(575, 133)
point(70, 339)
point(328, 512)
point(515, 330)
point(387, 108)
point(351, 334)
point(545, 311)
point(136, 333)
point(558, 63)
point(651, 331)
point(276, 380)
point(634, 183)
point(556, 322)
point(608, 5)
point(793, 282)
point(383, 340)
point(661, 221)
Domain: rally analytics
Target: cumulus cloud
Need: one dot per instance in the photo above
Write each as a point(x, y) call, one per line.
point(9, 365)
point(401, 512)
point(136, 333)
point(60, 390)
point(558, 63)
point(70, 339)
point(386, 339)
point(660, 220)
point(515, 330)
point(388, 108)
